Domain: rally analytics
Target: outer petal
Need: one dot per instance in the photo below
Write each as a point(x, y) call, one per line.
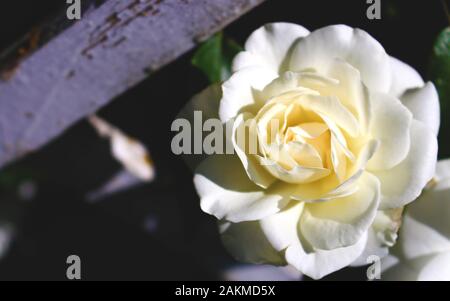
point(390, 125)
point(423, 249)
point(443, 175)
point(417, 239)
point(343, 221)
point(404, 77)
point(373, 247)
point(269, 46)
point(281, 229)
point(423, 268)
point(398, 271)
point(282, 232)
point(318, 50)
point(403, 183)
point(436, 269)
point(424, 104)
point(207, 101)
point(240, 89)
point(320, 263)
point(382, 235)
point(227, 193)
point(247, 243)
point(433, 206)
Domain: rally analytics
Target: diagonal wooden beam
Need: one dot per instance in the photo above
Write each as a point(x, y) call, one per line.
point(112, 48)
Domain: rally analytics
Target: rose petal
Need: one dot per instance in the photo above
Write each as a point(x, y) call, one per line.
point(320, 263)
point(436, 269)
point(247, 243)
point(281, 230)
point(227, 193)
point(255, 171)
point(331, 108)
point(341, 222)
point(403, 183)
point(239, 92)
point(319, 49)
point(404, 77)
point(418, 239)
point(373, 247)
point(432, 208)
point(424, 105)
point(390, 125)
point(443, 174)
point(269, 46)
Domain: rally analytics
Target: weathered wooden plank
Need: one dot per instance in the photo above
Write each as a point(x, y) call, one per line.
point(112, 48)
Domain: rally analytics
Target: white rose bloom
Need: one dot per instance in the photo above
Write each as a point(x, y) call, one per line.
point(423, 249)
point(356, 143)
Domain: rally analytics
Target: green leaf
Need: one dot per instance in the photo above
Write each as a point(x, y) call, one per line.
point(214, 57)
point(440, 75)
point(440, 68)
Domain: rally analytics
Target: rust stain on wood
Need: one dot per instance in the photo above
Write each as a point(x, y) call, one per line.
point(102, 35)
point(27, 47)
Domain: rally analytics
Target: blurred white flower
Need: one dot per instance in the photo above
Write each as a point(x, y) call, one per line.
point(6, 235)
point(131, 153)
point(246, 272)
point(423, 248)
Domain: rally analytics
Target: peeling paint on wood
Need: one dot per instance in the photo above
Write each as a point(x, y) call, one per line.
point(113, 47)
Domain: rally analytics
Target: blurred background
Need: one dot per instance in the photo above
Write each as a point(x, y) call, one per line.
point(156, 231)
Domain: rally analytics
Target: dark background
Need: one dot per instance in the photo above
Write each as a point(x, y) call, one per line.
point(157, 231)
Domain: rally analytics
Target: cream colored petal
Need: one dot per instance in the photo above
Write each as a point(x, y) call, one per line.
point(436, 269)
point(339, 159)
point(442, 175)
point(332, 108)
point(330, 187)
point(432, 208)
point(304, 154)
point(240, 89)
point(373, 247)
point(404, 77)
point(294, 84)
point(319, 263)
point(269, 46)
point(351, 92)
point(297, 175)
point(227, 193)
point(399, 272)
point(319, 49)
point(403, 183)
point(390, 125)
point(246, 146)
point(418, 239)
point(341, 222)
point(424, 105)
point(281, 229)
